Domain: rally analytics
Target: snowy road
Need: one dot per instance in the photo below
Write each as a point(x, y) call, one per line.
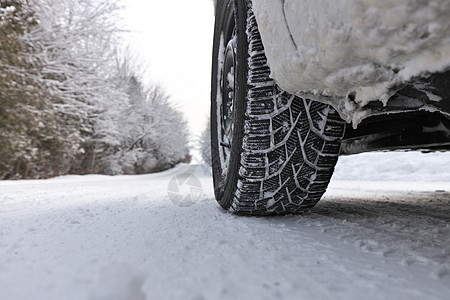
point(92, 237)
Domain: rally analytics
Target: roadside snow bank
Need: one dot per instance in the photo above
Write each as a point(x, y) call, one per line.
point(394, 166)
point(350, 52)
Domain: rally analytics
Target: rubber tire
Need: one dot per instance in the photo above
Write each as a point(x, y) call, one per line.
point(284, 148)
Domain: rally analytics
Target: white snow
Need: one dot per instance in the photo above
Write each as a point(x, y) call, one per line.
point(382, 231)
point(394, 166)
point(118, 282)
point(334, 49)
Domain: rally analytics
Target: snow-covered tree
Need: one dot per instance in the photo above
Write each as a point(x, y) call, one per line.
point(152, 135)
point(205, 144)
point(30, 139)
point(76, 41)
point(67, 105)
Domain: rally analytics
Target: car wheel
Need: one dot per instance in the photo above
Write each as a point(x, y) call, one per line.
point(272, 152)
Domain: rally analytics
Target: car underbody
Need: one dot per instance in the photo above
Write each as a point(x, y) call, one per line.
point(417, 117)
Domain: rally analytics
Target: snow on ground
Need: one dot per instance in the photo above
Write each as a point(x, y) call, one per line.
point(382, 231)
point(394, 166)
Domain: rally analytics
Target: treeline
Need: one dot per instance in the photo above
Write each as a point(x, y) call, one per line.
point(72, 102)
point(205, 144)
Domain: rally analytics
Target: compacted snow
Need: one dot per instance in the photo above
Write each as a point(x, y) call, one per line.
point(382, 231)
point(329, 50)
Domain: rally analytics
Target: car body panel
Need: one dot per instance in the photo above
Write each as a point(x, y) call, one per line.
point(349, 53)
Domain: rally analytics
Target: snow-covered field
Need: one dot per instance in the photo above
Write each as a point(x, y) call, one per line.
point(382, 231)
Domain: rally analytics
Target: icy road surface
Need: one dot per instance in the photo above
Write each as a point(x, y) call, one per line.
point(100, 237)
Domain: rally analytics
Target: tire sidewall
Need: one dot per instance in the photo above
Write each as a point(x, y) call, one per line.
point(225, 182)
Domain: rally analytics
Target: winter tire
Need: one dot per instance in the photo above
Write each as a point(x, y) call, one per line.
point(272, 152)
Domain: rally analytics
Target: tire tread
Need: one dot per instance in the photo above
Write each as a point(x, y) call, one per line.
point(290, 145)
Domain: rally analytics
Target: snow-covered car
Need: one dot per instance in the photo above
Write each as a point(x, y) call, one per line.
point(289, 76)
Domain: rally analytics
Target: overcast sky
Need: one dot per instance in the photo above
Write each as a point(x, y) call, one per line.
point(174, 39)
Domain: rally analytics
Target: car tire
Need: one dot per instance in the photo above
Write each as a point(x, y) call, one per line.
point(272, 152)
